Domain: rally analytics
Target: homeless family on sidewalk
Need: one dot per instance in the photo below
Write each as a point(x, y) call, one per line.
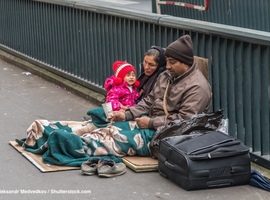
point(170, 87)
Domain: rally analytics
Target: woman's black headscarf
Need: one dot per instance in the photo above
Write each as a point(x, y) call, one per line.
point(147, 82)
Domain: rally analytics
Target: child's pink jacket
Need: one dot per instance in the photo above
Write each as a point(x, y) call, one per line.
point(120, 94)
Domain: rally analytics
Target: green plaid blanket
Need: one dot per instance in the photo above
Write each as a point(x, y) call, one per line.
point(72, 142)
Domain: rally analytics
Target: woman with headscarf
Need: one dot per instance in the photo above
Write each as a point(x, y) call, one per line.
point(154, 63)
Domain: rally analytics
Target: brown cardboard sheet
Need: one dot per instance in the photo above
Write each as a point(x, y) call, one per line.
point(36, 160)
point(141, 164)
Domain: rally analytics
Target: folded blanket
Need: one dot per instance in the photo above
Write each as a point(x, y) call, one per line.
point(73, 142)
point(98, 117)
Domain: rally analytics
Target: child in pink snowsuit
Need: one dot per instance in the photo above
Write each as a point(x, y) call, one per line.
point(122, 86)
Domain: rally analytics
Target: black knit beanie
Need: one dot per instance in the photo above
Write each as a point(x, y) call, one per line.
point(181, 50)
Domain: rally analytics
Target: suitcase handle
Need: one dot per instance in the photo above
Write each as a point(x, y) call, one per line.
point(169, 165)
point(219, 183)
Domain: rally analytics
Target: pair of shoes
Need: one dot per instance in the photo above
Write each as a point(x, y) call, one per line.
point(103, 167)
point(109, 169)
point(89, 167)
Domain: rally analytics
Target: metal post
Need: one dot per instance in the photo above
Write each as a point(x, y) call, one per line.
point(158, 6)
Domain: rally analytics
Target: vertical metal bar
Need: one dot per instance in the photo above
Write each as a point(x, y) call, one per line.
point(79, 43)
point(231, 87)
point(35, 44)
point(266, 25)
point(148, 34)
point(128, 40)
point(120, 37)
point(138, 37)
point(87, 47)
point(108, 48)
point(30, 26)
point(97, 43)
point(83, 45)
point(51, 49)
point(53, 46)
point(208, 54)
point(158, 7)
point(104, 48)
point(22, 21)
point(200, 51)
point(256, 99)
point(239, 88)
point(74, 27)
point(223, 74)
point(247, 94)
point(38, 15)
point(58, 37)
point(138, 51)
point(265, 64)
point(75, 32)
point(109, 36)
point(124, 35)
point(113, 36)
point(8, 21)
point(194, 37)
point(47, 38)
point(256, 93)
point(250, 16)
point(61, 35)
point(93, 45)
point(215, 70)
point(34, 30)
point(134, 51)
point(69, 39)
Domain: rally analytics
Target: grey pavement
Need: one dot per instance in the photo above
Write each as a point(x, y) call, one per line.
point(26, 97)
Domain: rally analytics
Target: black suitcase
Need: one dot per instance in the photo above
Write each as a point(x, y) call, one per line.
point(202, 161)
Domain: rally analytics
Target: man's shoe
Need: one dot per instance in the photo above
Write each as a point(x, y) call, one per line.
point(90, 166)
point(108, 168)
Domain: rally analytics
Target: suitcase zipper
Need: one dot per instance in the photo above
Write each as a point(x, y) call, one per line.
point(213, 146)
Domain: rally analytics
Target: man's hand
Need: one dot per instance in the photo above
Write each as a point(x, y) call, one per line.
point(118, 116)
point(142, 122)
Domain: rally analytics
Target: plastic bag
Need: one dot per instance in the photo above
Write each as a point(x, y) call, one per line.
point(224, 126)
point(196, 124)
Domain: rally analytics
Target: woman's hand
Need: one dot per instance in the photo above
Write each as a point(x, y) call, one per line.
point(142, 122)
point(118, 116)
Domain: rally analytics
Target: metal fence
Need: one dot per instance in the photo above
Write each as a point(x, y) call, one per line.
point(80, 41)
point(253, 14)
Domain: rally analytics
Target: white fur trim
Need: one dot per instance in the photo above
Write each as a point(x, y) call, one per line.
point(120, 68)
